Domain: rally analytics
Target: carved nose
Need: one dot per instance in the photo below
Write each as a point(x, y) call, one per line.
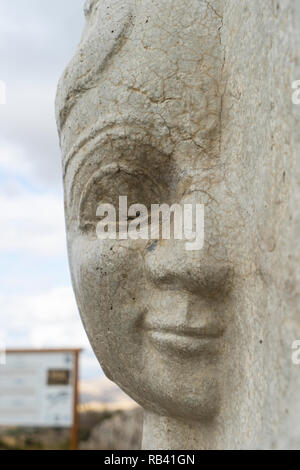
point(170, 266)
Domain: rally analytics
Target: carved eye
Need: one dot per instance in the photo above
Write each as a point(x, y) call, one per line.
point(118, 169)
point(107, 188)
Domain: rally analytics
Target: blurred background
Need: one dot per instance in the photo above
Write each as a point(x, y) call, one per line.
point(37, 305)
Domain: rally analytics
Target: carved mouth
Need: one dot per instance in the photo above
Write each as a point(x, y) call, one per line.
point(187, 341)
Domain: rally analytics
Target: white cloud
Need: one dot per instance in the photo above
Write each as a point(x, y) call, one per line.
point(48, 319)
point(31, 223)
point(38, 40)
point(42, 309)
point(12, 160)
point(36, 308)
point(28, 132)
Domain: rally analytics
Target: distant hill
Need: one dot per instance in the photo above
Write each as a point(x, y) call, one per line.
point(101, 393)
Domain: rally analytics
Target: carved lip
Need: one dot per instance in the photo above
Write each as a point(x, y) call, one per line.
point(184, 339)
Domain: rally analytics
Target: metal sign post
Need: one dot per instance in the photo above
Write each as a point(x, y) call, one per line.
point(74, 433)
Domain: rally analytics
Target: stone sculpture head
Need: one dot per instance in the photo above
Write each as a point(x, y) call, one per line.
point(173, 102)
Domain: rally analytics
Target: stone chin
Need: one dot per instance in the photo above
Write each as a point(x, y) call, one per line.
point(167, 375)
point(183, 393)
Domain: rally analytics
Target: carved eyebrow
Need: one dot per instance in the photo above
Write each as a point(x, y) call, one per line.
point(114, 169)
point(116, 127)
point(101, 139)
point(107, 169)
point(97, 48)
point(111, 170)
point(91, 138)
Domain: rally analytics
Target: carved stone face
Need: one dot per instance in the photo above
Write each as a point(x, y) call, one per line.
point(148, 109)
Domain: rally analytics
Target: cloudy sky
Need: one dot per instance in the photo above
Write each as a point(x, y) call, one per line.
point(37, 307)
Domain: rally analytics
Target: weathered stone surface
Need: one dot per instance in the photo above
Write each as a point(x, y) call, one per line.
point(176, 102)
